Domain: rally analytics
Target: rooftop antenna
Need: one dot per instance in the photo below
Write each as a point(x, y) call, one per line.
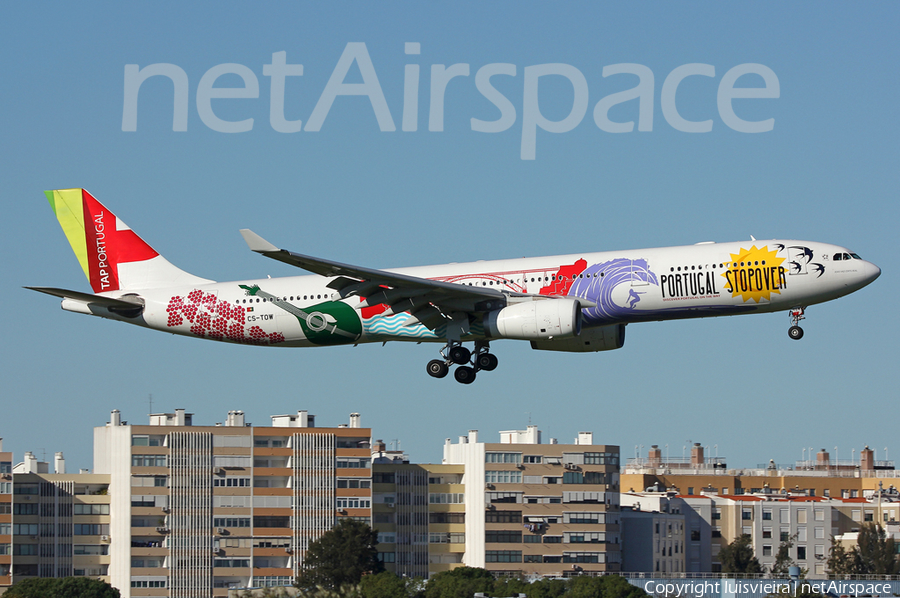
point(528, 413)
point(150, 400)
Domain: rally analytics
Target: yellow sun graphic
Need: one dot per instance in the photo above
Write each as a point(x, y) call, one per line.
point(755, 273)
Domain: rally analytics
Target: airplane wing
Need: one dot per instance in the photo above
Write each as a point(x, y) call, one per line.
point(431, 302)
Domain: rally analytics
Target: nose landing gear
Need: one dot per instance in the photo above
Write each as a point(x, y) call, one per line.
point(469, 363)
point(795, 332)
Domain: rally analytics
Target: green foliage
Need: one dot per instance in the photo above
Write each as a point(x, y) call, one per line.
point(340, 557)
point(874, 554)
point(607, 586)
point(64, 587)
point(462, 582)
point(737, 557)
point(783, 560)
point(388, 585)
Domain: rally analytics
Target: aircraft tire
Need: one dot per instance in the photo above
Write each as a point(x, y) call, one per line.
point(464, 374)
point(487, 362)
point(460, 354)
point(795, 332)
point(437, 368)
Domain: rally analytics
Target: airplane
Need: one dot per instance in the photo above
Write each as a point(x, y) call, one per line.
point(574, 303)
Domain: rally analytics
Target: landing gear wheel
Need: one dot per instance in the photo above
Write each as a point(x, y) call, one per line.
point(795, 332)
point(460, 355)
point(486, 362)
point(464, 374)
point(437, 368)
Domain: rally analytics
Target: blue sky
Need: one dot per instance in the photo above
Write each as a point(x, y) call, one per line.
point(826, 171)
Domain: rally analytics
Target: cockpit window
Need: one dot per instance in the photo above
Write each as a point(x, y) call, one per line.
point(854, 256)
point(838, 257)
point(846, 256)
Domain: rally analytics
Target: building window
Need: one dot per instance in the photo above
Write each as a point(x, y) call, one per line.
point(716, 514)
point(746, 514)
point(532, 539)
point(532, 459)
point(605, 458)
point(767, 550)
point(353, 483)
point(503, 516)
point(497, 457)
point(502, 535)
point(231, 522)
point(767, 514)
point(801, 553)
point(387, 557)
point(503, 556)
point(449, 517)
point(767, 533)
point(349, 503)
point(148, 460)
point(552, 539)
point(348, 463)
point(532, 558)
point(446, 498)
point(503, 477)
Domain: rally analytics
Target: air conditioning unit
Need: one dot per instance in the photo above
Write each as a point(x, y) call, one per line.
point(166, 510)
point(163, 530)
point(221, 530)
point(34, 537)
point(289, 550)
point(390, 504)
point(489, 486)
point(104, 538)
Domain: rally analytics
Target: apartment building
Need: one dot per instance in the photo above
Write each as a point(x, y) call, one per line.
point(52, 524)
point(513, 507)
point(653, 534)
point(6, 495)
point(201, 509)
point(817, 476)
point(770, 518)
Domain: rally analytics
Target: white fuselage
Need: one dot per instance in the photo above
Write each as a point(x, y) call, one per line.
point(703, 280)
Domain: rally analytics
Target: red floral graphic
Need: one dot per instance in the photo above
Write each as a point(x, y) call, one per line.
point(217, 319)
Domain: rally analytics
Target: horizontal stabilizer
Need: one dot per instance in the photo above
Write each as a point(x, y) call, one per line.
point(124, 303)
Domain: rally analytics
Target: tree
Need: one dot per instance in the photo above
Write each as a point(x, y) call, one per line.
point(340, 557)
point(389, 585)
point(874, 553)
point(64, 587)
point(737, 557)
point(462, 582)
point(783, 560)
point(607, 586)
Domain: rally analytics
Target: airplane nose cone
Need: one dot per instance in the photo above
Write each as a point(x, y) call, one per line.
point(872, 271)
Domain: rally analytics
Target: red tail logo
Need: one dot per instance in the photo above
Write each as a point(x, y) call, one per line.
point(107, 246)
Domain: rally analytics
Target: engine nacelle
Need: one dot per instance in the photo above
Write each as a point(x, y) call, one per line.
point(601, 338)
point(535, 320)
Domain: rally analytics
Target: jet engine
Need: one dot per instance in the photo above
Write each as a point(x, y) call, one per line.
point(535, 320)
point(601, 338)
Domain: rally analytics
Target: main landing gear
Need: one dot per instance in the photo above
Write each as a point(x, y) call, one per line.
point(469, 363)
point(795, 332)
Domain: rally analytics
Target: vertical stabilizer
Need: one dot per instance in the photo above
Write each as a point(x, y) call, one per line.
point(112, 255)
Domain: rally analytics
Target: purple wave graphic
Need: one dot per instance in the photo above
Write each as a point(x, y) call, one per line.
point(599, 289)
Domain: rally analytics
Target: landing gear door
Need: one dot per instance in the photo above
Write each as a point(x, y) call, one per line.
point(798, 258)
